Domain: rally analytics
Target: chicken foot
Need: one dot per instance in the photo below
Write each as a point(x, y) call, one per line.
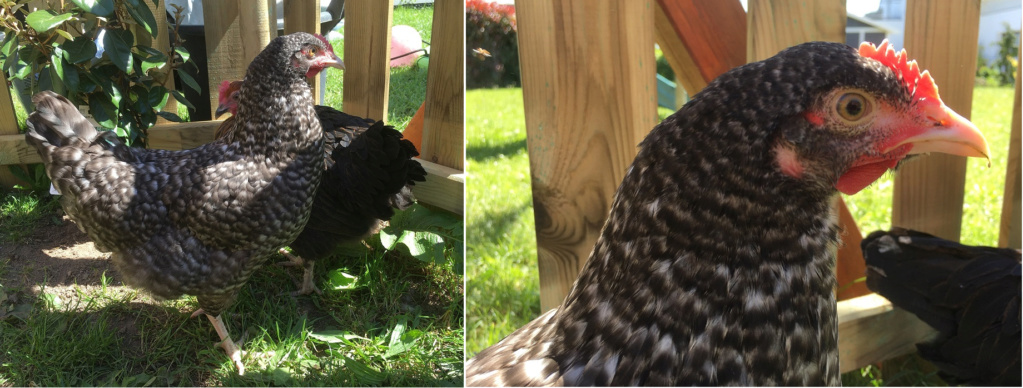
point(308, 286)
point(229, 346)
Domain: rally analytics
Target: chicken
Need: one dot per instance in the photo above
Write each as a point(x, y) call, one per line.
point(198, 221)
point(716, 264)
point(970, 295)
point(368, 173)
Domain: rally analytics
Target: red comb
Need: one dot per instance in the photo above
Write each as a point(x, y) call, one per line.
point(919, 84)
point(325, 42)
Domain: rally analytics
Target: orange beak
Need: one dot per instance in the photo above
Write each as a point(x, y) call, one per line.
point(948, 132)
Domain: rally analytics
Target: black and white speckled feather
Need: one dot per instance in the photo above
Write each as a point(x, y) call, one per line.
point(198, 221)
point(714, 267)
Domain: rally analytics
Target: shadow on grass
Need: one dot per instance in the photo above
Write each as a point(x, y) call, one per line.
point(486, 152)
point(494, 228)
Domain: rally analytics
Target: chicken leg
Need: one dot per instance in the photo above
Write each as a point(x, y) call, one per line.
point(308, 286)
point(226, 343)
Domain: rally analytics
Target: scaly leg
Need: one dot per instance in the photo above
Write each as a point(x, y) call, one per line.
point(308, 286)
point(229, 346)
point(295, 260)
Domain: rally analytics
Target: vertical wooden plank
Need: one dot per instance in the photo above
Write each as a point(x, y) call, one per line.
point(929, 191)
point(584, 119)
point(850, 265)
point(304, 16)
point(8, 126)
point(236, 31)
point(701, 39)
point(162, 43)
point(367, 57)
point(443, 116)
point(1009, 232)
point(776, 25)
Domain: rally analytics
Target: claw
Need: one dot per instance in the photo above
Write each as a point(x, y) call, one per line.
point(227, 344)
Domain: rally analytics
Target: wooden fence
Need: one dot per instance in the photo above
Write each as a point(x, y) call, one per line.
point(590, 97)
point(237, 30)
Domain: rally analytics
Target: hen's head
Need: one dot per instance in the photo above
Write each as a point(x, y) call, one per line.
point(836, 117)
point(227, 97)
point(303, 53)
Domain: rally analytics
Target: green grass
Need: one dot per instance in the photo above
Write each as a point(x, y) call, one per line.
point(502, 285)
point(402, 324)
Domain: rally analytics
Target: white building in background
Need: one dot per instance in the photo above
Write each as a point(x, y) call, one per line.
point(890, 18)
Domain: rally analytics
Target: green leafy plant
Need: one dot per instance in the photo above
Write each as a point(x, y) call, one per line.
point(124, 86)
point(426, 235)
point(1008, 53)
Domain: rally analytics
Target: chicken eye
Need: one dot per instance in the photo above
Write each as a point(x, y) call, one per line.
point(853, 106)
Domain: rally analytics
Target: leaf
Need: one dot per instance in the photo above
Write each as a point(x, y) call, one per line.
point(170, 116)
point(117, 44)
point(43, 20)
point(102, 110)
point(387, 239)
point(143, 16)
point(183, 52)
point(181, 98)
point(79, 50)
point(341, 281)
point(97, 7)
point(369, 376)
point(187, 79)
point(68, 74)
point(67, 35)
point(157, 97)
point(335, 336)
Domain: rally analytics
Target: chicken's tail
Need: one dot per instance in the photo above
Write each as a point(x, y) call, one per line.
point(971, 295)
point(65, 139)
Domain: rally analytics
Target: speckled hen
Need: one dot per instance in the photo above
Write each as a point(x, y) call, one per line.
point(716, 264)
point(198, 221)
point(369, 172)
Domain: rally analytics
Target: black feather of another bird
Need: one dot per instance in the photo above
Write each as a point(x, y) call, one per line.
point(369, 174)
point(970, 295)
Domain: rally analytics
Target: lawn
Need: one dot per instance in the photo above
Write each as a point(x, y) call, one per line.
point(72, 322)
point(503, 286)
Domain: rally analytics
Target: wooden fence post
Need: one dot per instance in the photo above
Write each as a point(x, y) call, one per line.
point(367, 57)
point(587, 81)
point(236, 31)
point(162, 43)
point(1009, 233)
point(697, 49)
point(444, 113)
point(929, 191)
point(304, 16)
point(8, 126)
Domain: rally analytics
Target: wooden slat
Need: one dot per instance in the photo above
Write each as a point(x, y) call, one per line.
point(236, 31)
point(1009, 231)
point(182, 136)
point(162, 43)
point(775, 25)
point(444, 188)
point(10, 153)
point(584, 119)
point(444, 113)
point(870, 329)
point(304, 16)
point(929, 191)
point(850, 266)
point(367, 57)
point(701, 39)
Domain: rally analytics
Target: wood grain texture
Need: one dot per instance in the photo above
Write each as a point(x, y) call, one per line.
point(236, 31)
point(304, 16)
point(10, 153)
point(589, 99)
point(162, 43)
point(775, 25)
point(928, 192)
point(701, 39)
point(870, 329)
point(444, 188)
point(444, 112)
point(367, 57)
point(1009, 229)
point(850, 266)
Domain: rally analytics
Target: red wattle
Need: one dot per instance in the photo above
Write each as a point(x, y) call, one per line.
point(859, 177)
